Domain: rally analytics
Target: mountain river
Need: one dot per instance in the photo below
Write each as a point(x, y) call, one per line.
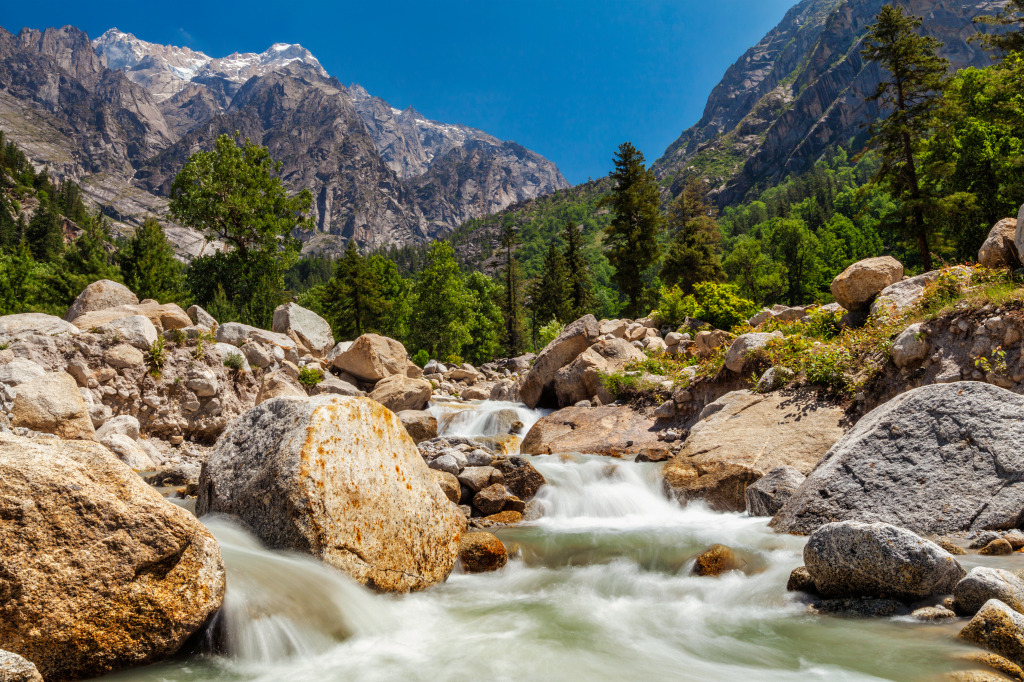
point(597, 589)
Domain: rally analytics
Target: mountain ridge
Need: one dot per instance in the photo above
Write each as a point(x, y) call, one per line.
point(379, 175)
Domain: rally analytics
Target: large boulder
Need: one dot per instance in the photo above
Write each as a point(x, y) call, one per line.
point(313, 331)
point(910, 346)
point(101, 295)
point(938, 459)
point(999, 251)
point(13, 327)
point(166, 317)
point(743, 346)
point(338, 478)
point(903, 295)
point(481, 552)
point(52, 404)
point(878, 560)
point(373, 357)
point(999, 629)
point(99, 572)
point(398, 392)
point(606, 430)
point(984, 583)
point(856, 286)
point(538, 385)
point(743, 436)
point(581, 379)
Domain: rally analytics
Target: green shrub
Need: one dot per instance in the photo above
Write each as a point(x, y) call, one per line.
point(155, 357)
point(721, 305)
point(234, 361)
point(674, 306)
point(548, 333)
point(310, 376)
point(421, 358)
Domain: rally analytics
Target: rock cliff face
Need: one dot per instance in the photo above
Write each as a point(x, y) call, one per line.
point(802, 89)
point(121, 115)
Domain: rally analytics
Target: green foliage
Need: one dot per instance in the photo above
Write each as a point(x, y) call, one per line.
point(549, 295)
point(440, 323)
point(234, 194)
point(916, 77)
point(631, 240)
point(156, 357)
point(421, 358)
point(579, 283)
point(366, 294)
point(692, 255)
point(513, 332)
point(720, 305)
point(148, 265)
point(484, 319)
point(674, 306)
point(1011, 20)
point(310, 376)
point(234, 361)
point(548, 333)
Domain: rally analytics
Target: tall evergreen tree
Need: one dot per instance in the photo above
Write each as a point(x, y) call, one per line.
point(148, 264)
point(511, 298)
point(44, 235)
point(910, 95)
point(485, 319)
point(348, 295)
point(549, 295)
point(693, 252)
point(632, 235)
point(580, 285)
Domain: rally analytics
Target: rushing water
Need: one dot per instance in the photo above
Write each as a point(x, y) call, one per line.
point(598, 589)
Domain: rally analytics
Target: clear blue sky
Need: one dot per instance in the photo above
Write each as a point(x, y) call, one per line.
point(570, 79)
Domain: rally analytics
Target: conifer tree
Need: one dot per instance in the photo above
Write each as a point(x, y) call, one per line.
point(44, 235)
point(693, 252)
point(148, 264)
point(916, 76)
point(632, 236)
point(347, 295)
point(550, 294)
point(580, 287)
point(511, 297)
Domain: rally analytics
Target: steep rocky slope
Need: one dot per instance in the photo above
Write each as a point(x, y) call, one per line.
point(121, 115)
point(802, 89)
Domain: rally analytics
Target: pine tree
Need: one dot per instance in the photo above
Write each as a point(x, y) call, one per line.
point(632, 236)
point(348, 295)
point(44, 235)
point(148, 264)
point(511, 296)
point(911, 93)
point(693, 252)
point(580, 287)
point(549, 295)
point(1005, 41)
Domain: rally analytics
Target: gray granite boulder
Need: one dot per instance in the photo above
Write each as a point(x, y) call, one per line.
point(938, 459)
point(984, 583)
point(878, 560)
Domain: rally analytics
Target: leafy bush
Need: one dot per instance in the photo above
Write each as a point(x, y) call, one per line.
point(155, 357)
point(234, 361)
point(421, 358)
point(310, 376)
point(674, 306)
point(721, 305)
point(548, 333)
